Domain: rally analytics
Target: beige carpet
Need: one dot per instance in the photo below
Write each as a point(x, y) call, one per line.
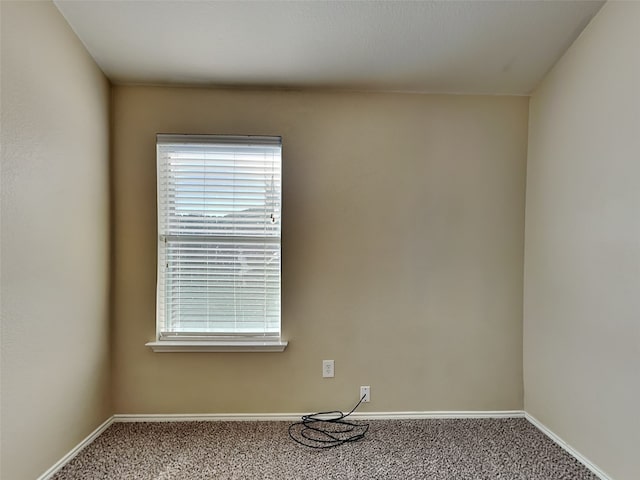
point(475, 449)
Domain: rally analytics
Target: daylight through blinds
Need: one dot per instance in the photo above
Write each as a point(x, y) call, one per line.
point(219, 210)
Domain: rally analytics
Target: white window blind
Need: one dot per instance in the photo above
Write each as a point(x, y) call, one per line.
point(219, 206)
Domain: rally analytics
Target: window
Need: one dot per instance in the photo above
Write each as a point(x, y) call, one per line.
point(219, 211)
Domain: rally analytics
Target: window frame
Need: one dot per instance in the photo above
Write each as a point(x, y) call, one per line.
point(202, 341)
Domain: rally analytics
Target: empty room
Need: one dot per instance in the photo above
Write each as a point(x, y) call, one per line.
point(320, 239)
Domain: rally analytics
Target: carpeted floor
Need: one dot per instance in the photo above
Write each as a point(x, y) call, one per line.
point(392, 449)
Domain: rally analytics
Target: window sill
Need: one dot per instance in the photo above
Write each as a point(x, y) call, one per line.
point(217, 346)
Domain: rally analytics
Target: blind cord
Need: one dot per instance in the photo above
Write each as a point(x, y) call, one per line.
point(327, 429)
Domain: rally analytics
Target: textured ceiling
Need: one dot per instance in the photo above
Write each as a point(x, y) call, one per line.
point(493, 47)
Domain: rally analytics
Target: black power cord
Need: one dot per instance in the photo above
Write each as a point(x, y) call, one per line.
point(327, 429)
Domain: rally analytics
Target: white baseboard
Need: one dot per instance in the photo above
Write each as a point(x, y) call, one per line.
point(568, 448)
point(206, 417)
point(439, 414)
point(292, 417)
point(75, 450)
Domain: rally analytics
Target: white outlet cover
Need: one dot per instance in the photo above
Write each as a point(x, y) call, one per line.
point(328, 368)
point(365, 391)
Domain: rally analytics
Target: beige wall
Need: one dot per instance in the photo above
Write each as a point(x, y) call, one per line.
point(402, 252)
point(582, 255)
point(54, 241)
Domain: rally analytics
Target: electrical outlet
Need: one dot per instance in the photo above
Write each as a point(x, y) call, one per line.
point(328, 370)
point(365, 391)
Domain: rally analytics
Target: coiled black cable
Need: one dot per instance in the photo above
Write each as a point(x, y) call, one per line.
point(327, 429)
